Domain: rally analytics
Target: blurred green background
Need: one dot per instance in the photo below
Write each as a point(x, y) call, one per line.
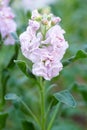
point(74, 21)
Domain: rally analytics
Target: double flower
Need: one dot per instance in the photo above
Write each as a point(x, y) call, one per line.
point(43, 43)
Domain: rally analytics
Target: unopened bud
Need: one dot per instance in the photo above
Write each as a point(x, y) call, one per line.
point(45, 21)
point(46, 10)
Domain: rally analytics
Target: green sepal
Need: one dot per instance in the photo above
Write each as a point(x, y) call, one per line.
point(24, 68)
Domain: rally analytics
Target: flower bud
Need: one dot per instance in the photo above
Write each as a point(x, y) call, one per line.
point(45, 21)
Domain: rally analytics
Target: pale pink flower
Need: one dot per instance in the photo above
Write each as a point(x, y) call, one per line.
point(35, 15)
point(44, 45)
point(47, 69)
point(6, 12)
point(9, 40)
point(4, 2)
point(34, 25)
point(55, 37)
point(7, 23)
point(30, 44)
point(55, 20)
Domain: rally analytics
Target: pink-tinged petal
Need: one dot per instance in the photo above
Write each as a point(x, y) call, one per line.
point(9, 40)
point(39, 36)
point(7, 24)
point(47, 71)
point(35, 14)
point(55, 20)
point(34, 25)
point(39, 70)
point(7, 12)
point(54, 70)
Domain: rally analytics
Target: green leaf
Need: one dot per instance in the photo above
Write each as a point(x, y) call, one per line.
point(50, 87)
point(15, 36)
point(65, 97)
point(27, 125)
point(4, 79)
point(1, 40)
point(81, 88)
point(3, 117)
point(11, 96)
point(28, 14)
point(14, 57)
point(22, 105)
point(18, 102)
point(24, 68)
point(79, 55)
point(67, 126)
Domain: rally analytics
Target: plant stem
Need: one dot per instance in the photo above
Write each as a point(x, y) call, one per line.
point(4, 80)
point(53, 117)
point(30, 112)
point(42, 93)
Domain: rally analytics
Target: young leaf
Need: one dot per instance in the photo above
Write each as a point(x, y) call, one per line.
point(81, 88)
point(65, 97)
point(80, 54)
point(24, 68)
point(14, 57)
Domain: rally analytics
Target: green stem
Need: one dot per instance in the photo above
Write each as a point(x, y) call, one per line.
point(3, 94)
point(53, 117)
point(30, 112)
point(1, 40)
point(4, 80)
point(48, 110)
point(42, 93)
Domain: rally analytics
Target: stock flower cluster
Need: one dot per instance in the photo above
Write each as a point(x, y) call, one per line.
point(43, 43)
point(7, 24)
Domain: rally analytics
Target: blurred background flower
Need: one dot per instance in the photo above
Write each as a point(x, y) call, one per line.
point(7, 23)
point(36, 4)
